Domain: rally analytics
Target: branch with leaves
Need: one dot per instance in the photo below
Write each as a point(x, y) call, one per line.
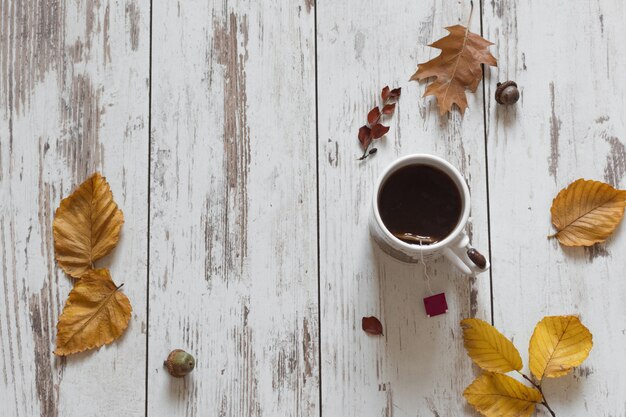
point(374, 129)
point(558, 344)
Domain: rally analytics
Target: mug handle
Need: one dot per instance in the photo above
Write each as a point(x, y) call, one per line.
point(466, 258)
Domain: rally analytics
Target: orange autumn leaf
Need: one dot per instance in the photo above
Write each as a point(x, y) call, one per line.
point(558, 344)
point(498, 395)
point(456, 69)
point(96, 313)
point(587, 212)
point(86, 226)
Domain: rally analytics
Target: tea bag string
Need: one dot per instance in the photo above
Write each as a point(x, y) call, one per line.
point(425, 269)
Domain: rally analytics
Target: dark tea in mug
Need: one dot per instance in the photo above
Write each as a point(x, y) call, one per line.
point(420, 204)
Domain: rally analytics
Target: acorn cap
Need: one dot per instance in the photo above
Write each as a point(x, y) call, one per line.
point(501, 87)
point(179, 363)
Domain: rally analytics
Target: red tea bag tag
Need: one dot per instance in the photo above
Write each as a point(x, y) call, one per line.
point(436, 305)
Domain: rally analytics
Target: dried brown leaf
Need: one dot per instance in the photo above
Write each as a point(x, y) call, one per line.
point(456, 69)
point(86, 226)
point(378, 131)
point(373, 116)
point(96, 313)
point(389, 109)
point(365, 136)
point(372, 325)
point(385, 93)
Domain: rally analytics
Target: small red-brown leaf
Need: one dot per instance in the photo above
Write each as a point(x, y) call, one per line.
point(385, 93)
point(389, 108)
point(378, 131)
point(365, 136)
point(395, 93)
point(373, 116)
point(372, 325)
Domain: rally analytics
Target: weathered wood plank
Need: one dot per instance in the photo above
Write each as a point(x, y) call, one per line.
point(233, 250)
point(569, 123)
point(419, 367)
point(73, 99)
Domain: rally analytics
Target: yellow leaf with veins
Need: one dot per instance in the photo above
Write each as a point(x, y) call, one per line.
point(96, 313)
point(587, 212)
point(497, 395)
point(488, 348)
point(558, 344)
point(86, 226)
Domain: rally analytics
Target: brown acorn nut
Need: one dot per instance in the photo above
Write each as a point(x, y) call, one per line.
point(507, 93)
point(179, 363)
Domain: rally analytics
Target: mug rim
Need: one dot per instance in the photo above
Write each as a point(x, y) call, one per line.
point(452, 172)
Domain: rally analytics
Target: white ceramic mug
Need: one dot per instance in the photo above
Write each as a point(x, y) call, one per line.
point(455, 247)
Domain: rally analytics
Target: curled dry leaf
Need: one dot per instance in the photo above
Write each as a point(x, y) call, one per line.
point(488, 348)
point(372, 325)
point(385, 93)
point(378, 131)
point(587, 212)
point(373, 116)
point(365, 136)
point(389, 108)
point(497, 395)
point(456, 69)
point(86, 226)
point(558, 344)
point(96, 313)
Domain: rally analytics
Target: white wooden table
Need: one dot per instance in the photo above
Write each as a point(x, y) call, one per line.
point(227, 130)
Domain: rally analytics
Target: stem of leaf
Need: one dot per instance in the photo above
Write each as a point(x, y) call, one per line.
point(469, 20)
point(538, 386)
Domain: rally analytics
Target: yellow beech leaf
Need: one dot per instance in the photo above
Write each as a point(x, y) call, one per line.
point(488, 348)
point(86, 226)
point(558, 344)
point(587, 212)
point(95, 314)
point(498, 395)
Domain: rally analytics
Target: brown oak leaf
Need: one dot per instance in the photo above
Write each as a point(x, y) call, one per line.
point(456, 69)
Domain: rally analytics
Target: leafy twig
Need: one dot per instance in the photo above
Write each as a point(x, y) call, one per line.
point(374, 129)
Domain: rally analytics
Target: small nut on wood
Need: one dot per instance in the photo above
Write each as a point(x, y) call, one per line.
point(507, 93)
point(179, 363)
point(477, 257)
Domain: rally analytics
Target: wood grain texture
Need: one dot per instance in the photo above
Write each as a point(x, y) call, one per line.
point(73, 99)
point(233, 248)
point(568, 124)
point(420, 366)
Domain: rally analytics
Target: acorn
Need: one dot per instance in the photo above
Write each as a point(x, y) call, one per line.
point(507, 93)
point(179, 363)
